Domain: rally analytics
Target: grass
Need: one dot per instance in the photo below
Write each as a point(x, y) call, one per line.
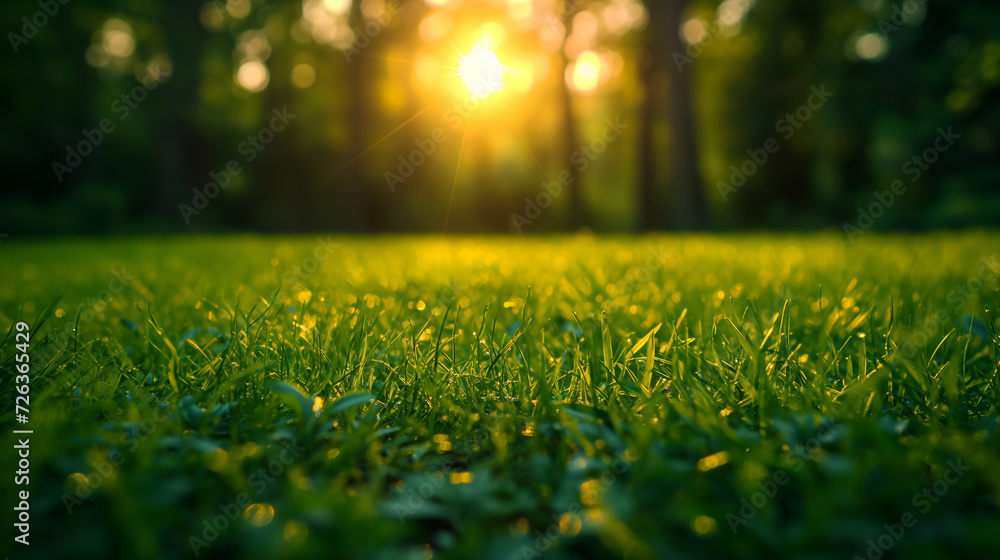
point(665, 397)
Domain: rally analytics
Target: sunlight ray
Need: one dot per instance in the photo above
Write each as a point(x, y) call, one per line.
point(538, 164)
point(454, 183)
point(394, 59)
point(383, 139)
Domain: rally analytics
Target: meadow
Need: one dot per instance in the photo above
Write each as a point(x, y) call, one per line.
point(692, 396)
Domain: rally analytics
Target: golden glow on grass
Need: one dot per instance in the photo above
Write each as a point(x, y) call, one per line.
point(481, 71)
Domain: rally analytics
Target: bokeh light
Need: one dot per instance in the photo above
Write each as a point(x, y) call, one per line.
point(239, 9)
point(694, 31)
point(871, 46)
point(337, 6)
point(118, 43)
point(259, 514)
point(435, 26)
point(303, 75)
point(252, 75)
point(520, 10)
point(584, 75)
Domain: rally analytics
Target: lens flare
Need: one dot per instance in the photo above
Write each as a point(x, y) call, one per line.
point(481, 71)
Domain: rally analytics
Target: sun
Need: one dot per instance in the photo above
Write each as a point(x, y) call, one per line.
point(481, 71)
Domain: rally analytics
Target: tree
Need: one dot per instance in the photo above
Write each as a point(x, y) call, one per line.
point(182, 145)
point(360, 191)
point(578, 211)
point(688, 208)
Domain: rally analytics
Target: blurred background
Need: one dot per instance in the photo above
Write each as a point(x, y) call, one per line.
point(655, 115)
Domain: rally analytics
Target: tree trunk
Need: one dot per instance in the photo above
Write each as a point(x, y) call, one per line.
point(688, 209)
point(360, 195)
point(646, 195)
point(578, 212)
point(181, 159)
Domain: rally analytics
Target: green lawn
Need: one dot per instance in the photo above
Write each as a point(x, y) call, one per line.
point(505, 398)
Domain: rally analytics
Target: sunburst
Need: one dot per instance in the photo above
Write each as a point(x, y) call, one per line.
point(481, 71)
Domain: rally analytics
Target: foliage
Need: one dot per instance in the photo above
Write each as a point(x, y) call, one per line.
point(936, 67)
point(623, 395)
